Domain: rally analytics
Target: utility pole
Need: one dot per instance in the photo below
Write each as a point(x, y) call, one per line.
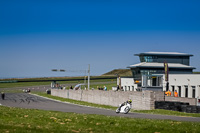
point(86, 71)
point(88, 76)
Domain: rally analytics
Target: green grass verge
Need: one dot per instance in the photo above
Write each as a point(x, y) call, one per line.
point(30, 120)
point(168, 112)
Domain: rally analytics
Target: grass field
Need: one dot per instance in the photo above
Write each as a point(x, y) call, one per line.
point(30, 120)
point(93, 82)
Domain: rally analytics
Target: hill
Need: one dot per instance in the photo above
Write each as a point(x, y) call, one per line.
point(121, 72)
point(196, 72)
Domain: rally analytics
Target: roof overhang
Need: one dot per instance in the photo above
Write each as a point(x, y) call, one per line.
point(163, 54)
point(160, 65)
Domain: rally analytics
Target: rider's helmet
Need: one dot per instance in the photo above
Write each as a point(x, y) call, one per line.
point(130, 101)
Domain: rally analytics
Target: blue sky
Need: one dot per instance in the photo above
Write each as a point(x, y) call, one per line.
point(39, 35)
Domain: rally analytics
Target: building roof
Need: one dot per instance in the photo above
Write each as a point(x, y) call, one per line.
point(164, 54)
point(159, 65)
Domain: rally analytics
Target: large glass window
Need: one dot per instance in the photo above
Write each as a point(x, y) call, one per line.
point(147, 58)
point(142, 59)
point(149, 81)
point(150, 72)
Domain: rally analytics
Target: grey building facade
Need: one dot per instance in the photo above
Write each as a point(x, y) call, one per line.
point(152, 65)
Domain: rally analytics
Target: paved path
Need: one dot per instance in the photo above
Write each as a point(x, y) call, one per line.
point(24, 100)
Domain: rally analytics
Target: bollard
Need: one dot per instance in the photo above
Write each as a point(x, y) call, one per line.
point(2, 96)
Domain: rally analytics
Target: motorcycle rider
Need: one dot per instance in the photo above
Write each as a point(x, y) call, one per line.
point(124, 103)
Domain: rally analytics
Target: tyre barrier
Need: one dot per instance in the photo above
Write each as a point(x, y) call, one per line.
point(48, 91)
point(177, 106)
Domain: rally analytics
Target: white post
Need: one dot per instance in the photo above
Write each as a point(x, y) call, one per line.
point(88, 76)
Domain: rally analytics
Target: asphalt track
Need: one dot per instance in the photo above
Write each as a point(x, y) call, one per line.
point(25, 100)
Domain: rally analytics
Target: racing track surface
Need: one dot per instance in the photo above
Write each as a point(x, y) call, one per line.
point(25, 100)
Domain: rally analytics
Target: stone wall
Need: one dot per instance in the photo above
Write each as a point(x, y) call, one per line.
point(140, 100)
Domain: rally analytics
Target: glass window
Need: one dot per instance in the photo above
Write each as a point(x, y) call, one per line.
point(132, 88)
point(186, 91)
point(172, 88)
point(142, 59)
point(193, 91)
point(179, 91)
point(148, 59)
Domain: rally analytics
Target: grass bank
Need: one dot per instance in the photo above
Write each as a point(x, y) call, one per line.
point(30, 120)
point(168, 112)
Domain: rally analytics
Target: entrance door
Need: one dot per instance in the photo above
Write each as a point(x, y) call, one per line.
point(154, 81)
point(186, 91)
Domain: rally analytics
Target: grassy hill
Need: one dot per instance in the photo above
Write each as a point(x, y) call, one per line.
point(196, 72)
point(121, 72)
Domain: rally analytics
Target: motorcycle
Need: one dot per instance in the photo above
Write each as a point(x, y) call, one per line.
point(124, 108)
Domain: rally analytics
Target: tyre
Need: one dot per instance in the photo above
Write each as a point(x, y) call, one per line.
point(117, 110)
point(198, 109)
point(194, 109)
point(183, 108)
point(126, 110)
point(189, 109)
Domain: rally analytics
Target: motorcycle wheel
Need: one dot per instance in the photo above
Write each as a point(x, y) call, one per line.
point(126, 110)
point(117, 110)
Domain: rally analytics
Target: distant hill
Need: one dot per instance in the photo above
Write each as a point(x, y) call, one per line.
point(196, 72)
point(121, 72)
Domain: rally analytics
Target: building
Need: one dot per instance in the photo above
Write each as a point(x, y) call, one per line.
point(150, 74)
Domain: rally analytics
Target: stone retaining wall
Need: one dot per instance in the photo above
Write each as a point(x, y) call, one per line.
point(140, 100)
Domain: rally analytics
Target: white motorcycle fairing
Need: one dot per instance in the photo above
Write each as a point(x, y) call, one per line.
point(124, 109)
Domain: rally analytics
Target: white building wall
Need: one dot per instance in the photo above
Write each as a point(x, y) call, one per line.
point(198, 92)
point(176, 80)
point(183, 80)
point(127, 84)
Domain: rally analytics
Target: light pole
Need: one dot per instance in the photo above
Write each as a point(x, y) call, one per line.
point(62, 70)
point(88, 76)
